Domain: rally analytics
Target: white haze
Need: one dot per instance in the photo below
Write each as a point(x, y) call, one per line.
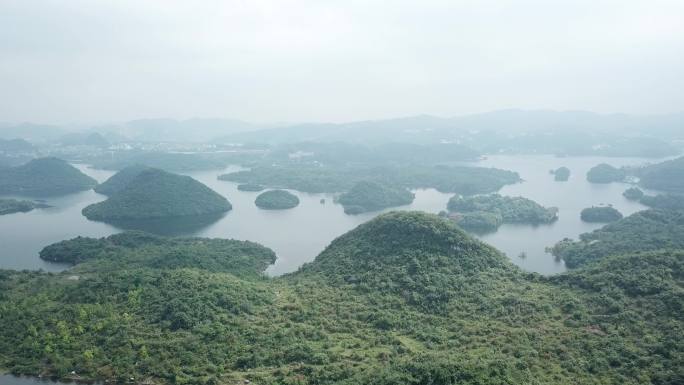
point(269, 61)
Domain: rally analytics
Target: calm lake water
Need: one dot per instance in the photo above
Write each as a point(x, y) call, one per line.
point(299, 234)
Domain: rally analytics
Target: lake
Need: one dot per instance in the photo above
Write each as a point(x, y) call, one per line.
point(299, 234)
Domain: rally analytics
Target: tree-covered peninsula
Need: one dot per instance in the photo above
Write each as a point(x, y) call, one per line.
point(276, 200)
point(488, 212)
point(600, 214)
point(11, 206)
point(642, 231)
point(371, 196)
point(44, 177)
point(406, 298)
point(158, 194)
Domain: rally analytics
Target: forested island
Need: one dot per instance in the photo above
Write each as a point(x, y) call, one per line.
point(338, 178)
point(633, 194)
point(276, 200)
point(250, 187)
point(642, 231)
point(561, 174)
point(371, 196)
point(600, 214)
point(406, 298)
point(488, 212)
point(605, 173)
point(44, 177)
point(11, 206)
point(155, 193)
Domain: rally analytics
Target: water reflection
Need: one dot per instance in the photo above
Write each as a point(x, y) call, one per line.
point(168, 226)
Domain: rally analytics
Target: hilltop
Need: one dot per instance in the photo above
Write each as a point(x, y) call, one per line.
point(120, 180)
point(384, 251)
point(44, 177)
point(159, 194)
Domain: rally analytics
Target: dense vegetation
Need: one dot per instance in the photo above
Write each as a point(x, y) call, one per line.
point(319, 179)
point(561, 174)
point(478, 221)
point(663, 201)
point(10, 206)
point(642, 231)
point(600, 214)
point(633, 193)
point(250, 187)
point(406, 298)
point(666, 176)
point(487, 212)
point(276, 200)
point(159, 194)
point(120, 180)
point(43, 177)
point(135, 249)
point(605, 173)
point(371, 196)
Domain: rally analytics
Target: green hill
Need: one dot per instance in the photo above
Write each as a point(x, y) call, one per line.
point(371, 196)
point(276, 200)
point(120, 180)
point(666, 176)
point(159, 194)
point(381, 253)
point(406, 298)
point(44, 177)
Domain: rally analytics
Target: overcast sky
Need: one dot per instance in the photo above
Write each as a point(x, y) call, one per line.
point(97, 61)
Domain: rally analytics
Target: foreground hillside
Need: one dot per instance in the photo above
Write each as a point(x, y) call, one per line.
point(406, 298)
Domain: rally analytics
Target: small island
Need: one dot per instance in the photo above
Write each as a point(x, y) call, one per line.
point(561, 174)
point(488, 212)
point(276, 200)
point(605, 173)
point(633, 194)
point(603, 214)
point(371, 196)
point(156, 193)
point(44, 177)
point(11, 206)
point(250, 187)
